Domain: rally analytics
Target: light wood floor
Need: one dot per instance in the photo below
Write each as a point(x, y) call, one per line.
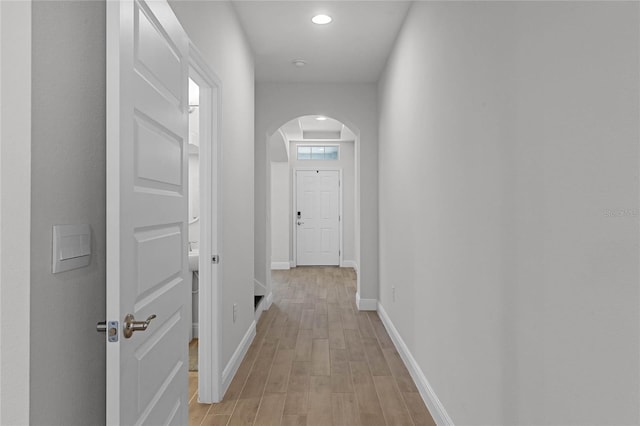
point(316, 360)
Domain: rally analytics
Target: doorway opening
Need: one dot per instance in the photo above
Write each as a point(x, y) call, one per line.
point(311, 194)
point(204, 247)
point(194, 219)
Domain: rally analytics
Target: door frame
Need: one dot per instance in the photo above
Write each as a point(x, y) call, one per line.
point(209, 300)
point(294, 209)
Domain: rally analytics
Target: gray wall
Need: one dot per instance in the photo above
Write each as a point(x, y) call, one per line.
point(576, 291)
point(509, 207)
point(68, 187)
point(214, 29)
point(280, 214)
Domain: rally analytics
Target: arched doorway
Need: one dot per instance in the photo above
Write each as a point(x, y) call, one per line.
point(325, 146)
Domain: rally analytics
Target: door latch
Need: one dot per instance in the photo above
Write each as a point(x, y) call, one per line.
point(111, 328)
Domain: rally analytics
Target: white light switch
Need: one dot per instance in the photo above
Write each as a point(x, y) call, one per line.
point(71, 247)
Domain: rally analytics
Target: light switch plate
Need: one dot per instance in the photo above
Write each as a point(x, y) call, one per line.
point(71, 247)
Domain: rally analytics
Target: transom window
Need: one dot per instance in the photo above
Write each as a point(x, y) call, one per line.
point(318, 152)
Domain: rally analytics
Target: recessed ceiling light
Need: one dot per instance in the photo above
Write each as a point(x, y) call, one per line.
point(299, 62)
point(321, 118)
point(321, 19)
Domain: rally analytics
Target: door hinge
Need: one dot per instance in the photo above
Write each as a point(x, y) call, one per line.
point(215, 259)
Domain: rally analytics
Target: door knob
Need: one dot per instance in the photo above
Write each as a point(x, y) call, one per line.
point(131, 325)
point(300, 223)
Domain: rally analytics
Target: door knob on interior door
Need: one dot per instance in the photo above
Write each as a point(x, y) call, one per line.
point(300, 223)
point(131, 325)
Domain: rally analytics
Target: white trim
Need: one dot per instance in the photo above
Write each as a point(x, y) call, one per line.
point(294, 210)
point(319, 142)
point(267, 234)
point(294, 218)
point(427, 393)
point(280, 265)
point(15, 210)
point(258, 311)
point(349, 264)
point(292, 264)
point(194, 330)
point(209, 300)
point(366, 304)
point(237, 357)
point(268, 301)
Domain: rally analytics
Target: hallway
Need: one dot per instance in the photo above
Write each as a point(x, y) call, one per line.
point(316, 360)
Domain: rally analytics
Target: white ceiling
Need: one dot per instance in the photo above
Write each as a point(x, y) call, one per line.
point(293, 130)
point(352, 48)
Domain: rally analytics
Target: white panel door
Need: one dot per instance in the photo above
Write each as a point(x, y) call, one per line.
point(317, 217)
point(147, 208)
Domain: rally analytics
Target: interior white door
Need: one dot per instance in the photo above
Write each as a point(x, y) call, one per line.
point(317, 217)
point(147, 208)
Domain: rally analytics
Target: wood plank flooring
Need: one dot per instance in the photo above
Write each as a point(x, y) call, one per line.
point(316, 360)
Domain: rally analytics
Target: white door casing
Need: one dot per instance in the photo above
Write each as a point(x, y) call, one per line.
point(147, 209)
point(209, 321)
point(318, 200)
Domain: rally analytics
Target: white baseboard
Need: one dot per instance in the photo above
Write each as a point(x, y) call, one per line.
point(350, 264)
point(268, 301)
point(258, 312)
point(194, 328)
point(292, 264)
point(427, 393)
point(366, 304)
point(280, 265)
point(237, 357)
